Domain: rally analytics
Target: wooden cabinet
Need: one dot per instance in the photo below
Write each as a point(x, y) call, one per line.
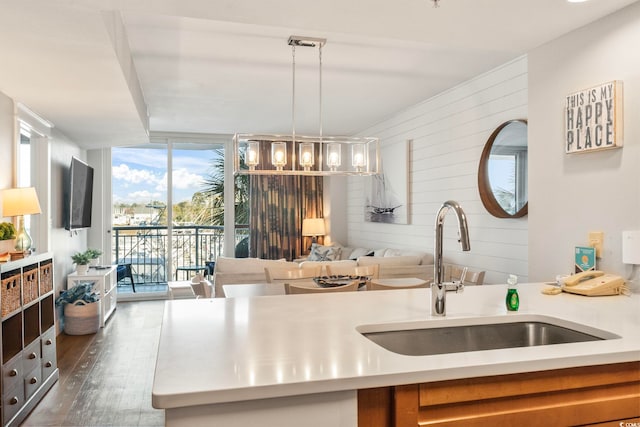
point(573, 396)
point(28, 335)
point(104, 281)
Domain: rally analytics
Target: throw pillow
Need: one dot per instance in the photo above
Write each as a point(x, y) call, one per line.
point(323, 253)
point(358, 252)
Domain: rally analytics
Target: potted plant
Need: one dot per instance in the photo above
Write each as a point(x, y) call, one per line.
point(81, 306)
point(7, 237)
point(81, 260)
point(93, 254)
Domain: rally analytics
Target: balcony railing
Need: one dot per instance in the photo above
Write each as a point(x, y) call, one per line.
point(146, 247)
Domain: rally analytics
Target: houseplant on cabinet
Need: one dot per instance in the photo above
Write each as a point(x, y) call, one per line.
point(81, 260)
point(94, 255)
point(7, 237)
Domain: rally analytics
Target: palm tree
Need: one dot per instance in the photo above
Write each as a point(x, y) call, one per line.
point(214, 191)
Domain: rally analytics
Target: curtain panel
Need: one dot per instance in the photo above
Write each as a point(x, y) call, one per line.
point(278, 206)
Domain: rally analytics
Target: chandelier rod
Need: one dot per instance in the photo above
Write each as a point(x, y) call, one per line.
point(320, 90)
point(293, 96)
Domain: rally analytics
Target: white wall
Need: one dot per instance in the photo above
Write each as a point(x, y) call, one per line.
point(571, 195)
point(449, 132)
point(7, 121)
point(63, 243)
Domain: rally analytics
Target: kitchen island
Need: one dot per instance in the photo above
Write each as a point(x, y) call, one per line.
point(299, 360)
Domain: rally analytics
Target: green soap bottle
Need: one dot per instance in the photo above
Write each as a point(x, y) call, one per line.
point(512, 300)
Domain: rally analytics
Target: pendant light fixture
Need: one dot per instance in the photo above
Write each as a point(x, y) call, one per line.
point(264, 154)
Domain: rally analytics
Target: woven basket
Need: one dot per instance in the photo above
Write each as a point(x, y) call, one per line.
point(46, 278)
point(10, 292)
point(81, 318)
point(29, 285)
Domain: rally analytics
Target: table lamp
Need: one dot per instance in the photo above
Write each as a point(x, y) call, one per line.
point(313, 227)
point(20, 202)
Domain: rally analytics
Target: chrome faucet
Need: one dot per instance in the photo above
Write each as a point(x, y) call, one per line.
point(438, 287)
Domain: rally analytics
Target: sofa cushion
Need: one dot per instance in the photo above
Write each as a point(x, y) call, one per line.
point(379, 252)
point(358, 252)
point(345, 252)
point(324, 253)
point(391, 260)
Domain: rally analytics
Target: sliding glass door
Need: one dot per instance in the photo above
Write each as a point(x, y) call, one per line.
point(168, 208)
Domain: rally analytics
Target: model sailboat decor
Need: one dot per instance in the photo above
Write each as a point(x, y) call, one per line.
point(386, 197)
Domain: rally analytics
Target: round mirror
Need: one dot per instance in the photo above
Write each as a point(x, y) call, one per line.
point(502, 175)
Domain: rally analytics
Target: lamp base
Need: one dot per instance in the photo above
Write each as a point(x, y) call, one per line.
point(23, 240)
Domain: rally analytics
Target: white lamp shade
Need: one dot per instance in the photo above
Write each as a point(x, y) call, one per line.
point(20, 201)
point(252, 157)
point(279, 154)
point(313, 227)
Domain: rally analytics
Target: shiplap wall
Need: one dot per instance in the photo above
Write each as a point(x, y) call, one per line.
point(447, 134)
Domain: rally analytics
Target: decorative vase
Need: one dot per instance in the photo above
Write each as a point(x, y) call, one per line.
point(94, 262)
point(82, 269)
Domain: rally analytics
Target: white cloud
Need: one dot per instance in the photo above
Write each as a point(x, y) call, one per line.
point(136, 176)
point(182, 180)
point(142, 196)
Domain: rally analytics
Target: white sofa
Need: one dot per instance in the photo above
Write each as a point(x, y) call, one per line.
point(392, 262)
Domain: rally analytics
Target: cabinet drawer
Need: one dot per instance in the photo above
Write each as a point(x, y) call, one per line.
point(12, 373)
point(49, 365)
point(32, 382)
point(12, 401)
point(48, 340)
point(49, 361)
point(31, 356)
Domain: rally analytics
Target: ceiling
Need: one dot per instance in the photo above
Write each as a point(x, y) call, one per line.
point(224, 66)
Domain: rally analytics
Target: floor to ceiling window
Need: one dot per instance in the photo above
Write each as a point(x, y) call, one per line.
point(168, 226)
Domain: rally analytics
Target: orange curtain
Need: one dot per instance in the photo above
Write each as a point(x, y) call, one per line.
point(278, 204)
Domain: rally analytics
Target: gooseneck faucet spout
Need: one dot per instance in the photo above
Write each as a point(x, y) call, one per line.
point(438, 287)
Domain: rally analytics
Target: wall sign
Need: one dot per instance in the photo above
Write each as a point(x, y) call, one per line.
point(593, 118)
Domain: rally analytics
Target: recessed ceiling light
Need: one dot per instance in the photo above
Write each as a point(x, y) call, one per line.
point(577, 1)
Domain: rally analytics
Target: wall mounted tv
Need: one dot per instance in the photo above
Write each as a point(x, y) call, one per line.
point(80, 191)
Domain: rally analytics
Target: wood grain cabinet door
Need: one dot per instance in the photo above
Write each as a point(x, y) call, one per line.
point(565, 397)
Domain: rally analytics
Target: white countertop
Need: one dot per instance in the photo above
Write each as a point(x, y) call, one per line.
point(235, 349)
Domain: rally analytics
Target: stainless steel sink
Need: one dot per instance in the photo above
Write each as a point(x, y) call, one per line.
point(414, 340)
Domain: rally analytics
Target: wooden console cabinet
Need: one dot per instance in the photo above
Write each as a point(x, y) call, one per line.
point(28, 335)
point(564, 397)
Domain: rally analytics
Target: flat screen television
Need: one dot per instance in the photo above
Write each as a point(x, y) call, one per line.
point(80, 193)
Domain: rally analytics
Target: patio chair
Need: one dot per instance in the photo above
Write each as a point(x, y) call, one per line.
point(124, 271)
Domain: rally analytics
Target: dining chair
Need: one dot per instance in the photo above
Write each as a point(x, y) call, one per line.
point(465, 275)
point(202, 288)
point(299, 274)
point(292, 288)
point(374, 286)
point(370, 271)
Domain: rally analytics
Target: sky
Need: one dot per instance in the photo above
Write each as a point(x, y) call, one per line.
point(140, 174)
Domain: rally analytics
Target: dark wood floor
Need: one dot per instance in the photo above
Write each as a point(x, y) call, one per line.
point(106, 378)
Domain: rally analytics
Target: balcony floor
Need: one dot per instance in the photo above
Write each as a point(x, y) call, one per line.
point(144, 292)
point(143, 288)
